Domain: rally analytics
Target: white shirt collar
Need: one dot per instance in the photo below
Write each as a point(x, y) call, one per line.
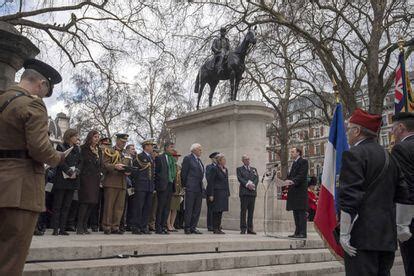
point(359, 142)
point(297, 158)
point(405, 138)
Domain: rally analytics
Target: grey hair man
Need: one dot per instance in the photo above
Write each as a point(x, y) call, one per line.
point(192, 174)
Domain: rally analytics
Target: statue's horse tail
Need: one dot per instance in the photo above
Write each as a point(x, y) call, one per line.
point(197, 84)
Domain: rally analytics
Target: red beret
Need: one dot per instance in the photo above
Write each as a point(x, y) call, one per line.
point(367, 120)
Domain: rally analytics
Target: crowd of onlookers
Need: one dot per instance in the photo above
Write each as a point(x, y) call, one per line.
point(111, 188)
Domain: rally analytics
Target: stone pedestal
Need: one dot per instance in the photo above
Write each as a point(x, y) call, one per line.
point(234, 128)
point(14, 50)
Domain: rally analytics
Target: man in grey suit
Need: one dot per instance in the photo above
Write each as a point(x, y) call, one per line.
point(192, 174)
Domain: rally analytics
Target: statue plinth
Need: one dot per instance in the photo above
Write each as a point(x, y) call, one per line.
point(14, 50)
point(234, 129)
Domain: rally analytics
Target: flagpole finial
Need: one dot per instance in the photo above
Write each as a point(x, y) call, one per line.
point(335, 89)
point(401, 43)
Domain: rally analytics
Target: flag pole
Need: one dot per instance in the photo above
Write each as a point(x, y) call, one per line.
point(401, 44)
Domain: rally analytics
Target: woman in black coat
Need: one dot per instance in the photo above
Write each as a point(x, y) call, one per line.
point(218, 192)
point(90, 176)
point(67, 181)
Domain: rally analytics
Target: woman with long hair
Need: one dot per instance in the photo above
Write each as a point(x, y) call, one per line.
point(90, 175)
point(67, 181)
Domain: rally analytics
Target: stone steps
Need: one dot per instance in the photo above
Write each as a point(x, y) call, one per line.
point(183, 263)
point(330, 268)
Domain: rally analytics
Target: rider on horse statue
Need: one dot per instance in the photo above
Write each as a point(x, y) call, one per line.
point(220, 48)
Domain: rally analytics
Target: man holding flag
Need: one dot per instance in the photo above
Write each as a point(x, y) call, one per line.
point(367, 186)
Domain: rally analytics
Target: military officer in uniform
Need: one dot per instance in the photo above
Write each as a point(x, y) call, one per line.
point(143, 181)
point(114, 185)
point(24, 148)
point(403, 151)
point(220, 48)
point(367, 187)
point(209, 168)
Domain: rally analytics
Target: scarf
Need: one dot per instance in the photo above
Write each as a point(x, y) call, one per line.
point(172, 169)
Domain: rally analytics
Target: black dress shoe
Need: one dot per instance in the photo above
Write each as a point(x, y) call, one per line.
point(251, 232)
point(146, 232)
point(79, 232)
point(55, 232)
point(210, 229)
point(107, 232)
point(195, 231)
point(38, 233)
point(187, 232)
point(165, 232)
point(136, 231)
point(63, 233)
point(243, 232)
point(292, 236)
point(70, 229)
point(118, 232)
point(218, 232)
point(301, 236)
point(86, 232)
point(94, 229)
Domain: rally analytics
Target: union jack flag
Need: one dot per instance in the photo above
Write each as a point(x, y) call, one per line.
point(404, 98)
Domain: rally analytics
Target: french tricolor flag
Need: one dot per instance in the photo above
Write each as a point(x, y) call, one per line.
point(326, 213)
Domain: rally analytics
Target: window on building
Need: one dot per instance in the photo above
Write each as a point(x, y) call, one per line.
point(384, 120)
point(305, 151)
point(291, 119)
point(317, 149)
point(316, 133)
point(305, 135)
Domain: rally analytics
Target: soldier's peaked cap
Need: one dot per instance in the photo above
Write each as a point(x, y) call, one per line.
point(122, 136)
point(403, 116)
point(44, 69)
point(147, 142)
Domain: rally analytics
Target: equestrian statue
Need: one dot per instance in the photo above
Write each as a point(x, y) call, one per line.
point(225, 65)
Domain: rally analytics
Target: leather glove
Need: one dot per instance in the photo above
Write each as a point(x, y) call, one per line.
point(405, 214)
point(345, 233)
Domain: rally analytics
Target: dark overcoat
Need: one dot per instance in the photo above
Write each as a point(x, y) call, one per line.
point(243, 176)
point(372, 201)
point(72, 160)
point(218, 187)
point(90, 175)
point(297, 197)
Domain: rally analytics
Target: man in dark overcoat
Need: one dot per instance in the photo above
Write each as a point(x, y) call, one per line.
point(209, 168)
point(297, 197)
point(403, 151)
point(367, 188)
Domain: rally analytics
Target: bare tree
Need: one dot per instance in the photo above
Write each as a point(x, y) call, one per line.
point(97, 101)
point(284, 77)
point(353, 40)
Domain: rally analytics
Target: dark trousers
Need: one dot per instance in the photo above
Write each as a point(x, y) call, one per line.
point(163, 207)
point(84, 212)
point(369, 263)
point(246, 206)
point(62, 200)
point(217, 216)
point(73, 214)
point(179, 220)
point(192, 209)
point(16, 232)
point(130, 206)
point(407, 254)
point(95, 219)
point(209, 214)
point(300, 222)
point(141, 209)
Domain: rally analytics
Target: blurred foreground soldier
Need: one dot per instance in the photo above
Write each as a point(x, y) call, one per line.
point(248, 179)
point(24, 148)
point(143, 181)
point(114, 185)
point(367, 187)
point(209, 168)
point(403, 151)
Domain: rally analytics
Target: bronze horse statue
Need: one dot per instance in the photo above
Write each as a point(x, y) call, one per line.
point(233, 69)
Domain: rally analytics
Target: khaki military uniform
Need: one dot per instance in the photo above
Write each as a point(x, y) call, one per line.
point(114, 188)
point(24, 148)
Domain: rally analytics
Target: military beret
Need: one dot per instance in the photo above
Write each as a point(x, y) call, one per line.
point(176, 154)
point(45, 70)
point(403, 116)
point(214, 154)
point(122, 136)
point(369, 121)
